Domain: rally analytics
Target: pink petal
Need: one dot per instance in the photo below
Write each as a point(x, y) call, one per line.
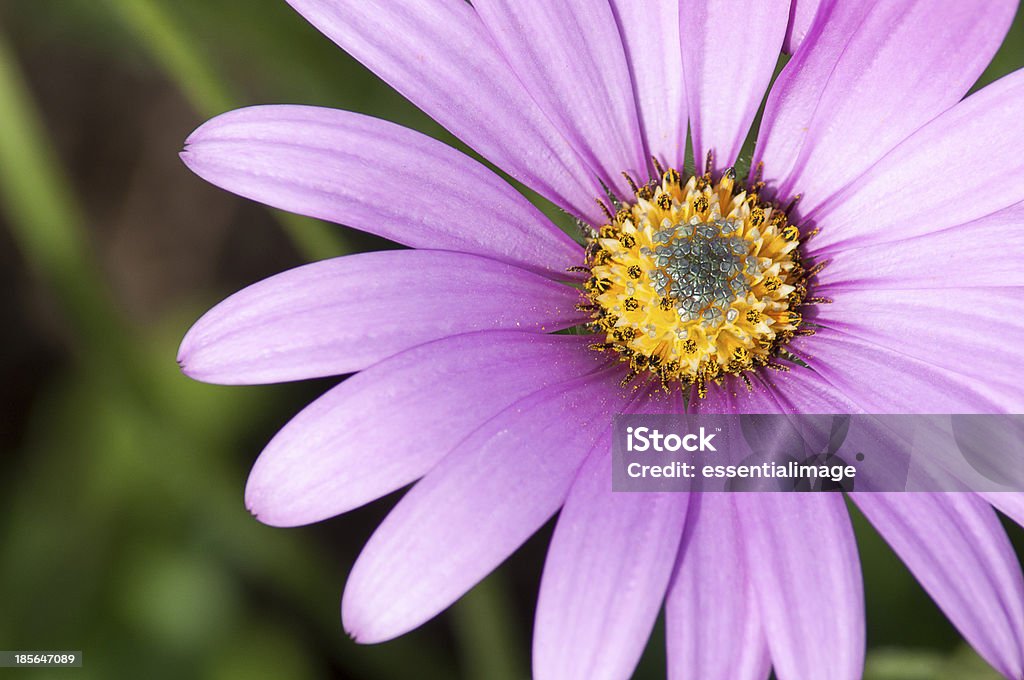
point(882, 379)
point(799, 390)
point(801, 16)
point(569, 56)
point(712, 627)
point(959, 552)
point(650, 36)
point(729, 56)
point(378, 177)
point(342, 315)
point(963, 331)
point(388, 425)
point(476, 507)
point(1010, 503)
point(439, 56)
point(867, 77)
point(605, 576)
point(985, 253)
point(975, 146)
point(808, 582)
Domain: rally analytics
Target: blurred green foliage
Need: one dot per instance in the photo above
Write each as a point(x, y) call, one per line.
point(122, 530)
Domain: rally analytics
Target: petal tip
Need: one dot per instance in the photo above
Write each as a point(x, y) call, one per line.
point(199, 361)
point(259, 506)
point(368, 616)
point(255, 497)
point(354, 632)
point(197, 134)
point(354, 622)
point(183, 361)
point(265, 502)
point(186, 359)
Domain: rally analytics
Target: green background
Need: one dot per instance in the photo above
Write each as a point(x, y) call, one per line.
point(122, 528)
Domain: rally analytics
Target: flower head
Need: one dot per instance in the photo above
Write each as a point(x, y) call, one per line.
point(715, 288)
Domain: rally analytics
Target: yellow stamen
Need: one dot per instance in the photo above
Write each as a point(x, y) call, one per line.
point(694, 282)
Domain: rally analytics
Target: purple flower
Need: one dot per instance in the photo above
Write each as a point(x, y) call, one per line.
point(914, 196)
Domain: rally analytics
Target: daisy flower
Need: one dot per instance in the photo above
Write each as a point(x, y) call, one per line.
point(870, 262)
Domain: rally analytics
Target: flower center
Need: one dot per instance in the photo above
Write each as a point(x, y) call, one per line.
point(696, 281)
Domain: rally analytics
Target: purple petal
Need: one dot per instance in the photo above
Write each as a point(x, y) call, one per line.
point(650, 35)
point(605, 576)
point(439, 56)
point(803, 390)
point(732, 396)
point(962, 166)
point(808, 582)
point(959, 552)
point(883, 379)
point(569, 56)
point(342, 315)
point(388, 425)
point(378, 177)
point(712, 627)
point(476, 507)
point(729, 56)
point(985, 253)
point(1010, 503)
point(801, 16)
point(866, 78)
point(911, 322)
point(799, 390)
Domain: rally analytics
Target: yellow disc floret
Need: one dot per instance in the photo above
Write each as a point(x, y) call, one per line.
point(696, 281)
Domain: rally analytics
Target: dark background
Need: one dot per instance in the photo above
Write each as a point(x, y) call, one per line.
point(122, 528)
